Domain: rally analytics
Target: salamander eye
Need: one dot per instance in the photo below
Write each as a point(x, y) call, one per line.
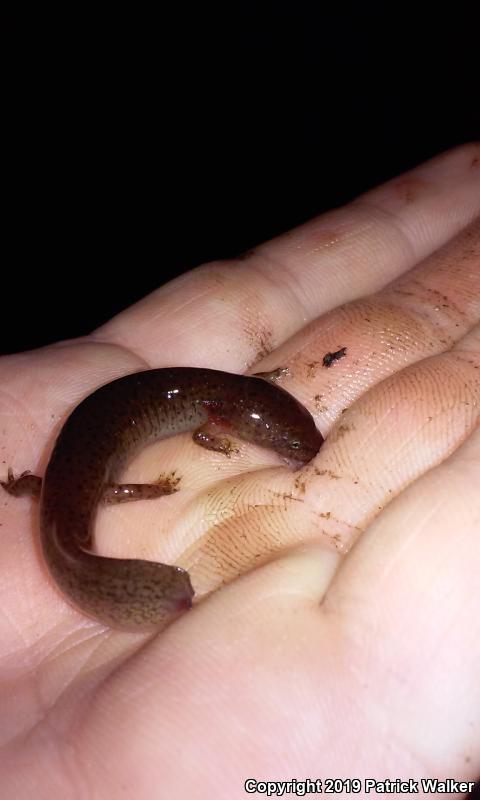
point(294, 444)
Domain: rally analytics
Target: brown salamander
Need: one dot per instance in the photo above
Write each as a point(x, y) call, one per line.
point(96, 441)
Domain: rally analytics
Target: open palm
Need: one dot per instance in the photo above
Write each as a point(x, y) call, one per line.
point(304, 656)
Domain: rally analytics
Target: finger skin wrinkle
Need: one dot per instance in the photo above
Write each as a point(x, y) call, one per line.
point(428, 325)
point(278, 278)
point(393, 226)
point(118, 349)
point(385, 221)
point(441, 304)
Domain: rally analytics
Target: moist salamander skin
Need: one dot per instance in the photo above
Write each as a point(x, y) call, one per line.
point(101, 435)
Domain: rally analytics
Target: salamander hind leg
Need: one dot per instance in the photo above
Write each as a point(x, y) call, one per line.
point(127, 492)
point(25, 485)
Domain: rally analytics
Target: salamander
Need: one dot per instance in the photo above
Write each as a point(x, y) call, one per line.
point(98, 438)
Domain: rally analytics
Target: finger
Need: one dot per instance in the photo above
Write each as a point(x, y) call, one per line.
point(230, 314)
point(407, 598)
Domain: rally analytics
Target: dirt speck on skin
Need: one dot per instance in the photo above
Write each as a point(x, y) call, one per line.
point(330, 358)
point(328, 472)
point(312, 368)
point(320, 405)
point(261, 339)
point(300, 484)
point(409, 189)
point(171, 480)
point(286, 496)
point(341, 431)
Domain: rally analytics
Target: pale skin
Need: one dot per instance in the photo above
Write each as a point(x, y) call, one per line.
point(315, 658)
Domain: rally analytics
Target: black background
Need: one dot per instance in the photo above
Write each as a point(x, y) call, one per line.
point(139, 146)
point(136, 147)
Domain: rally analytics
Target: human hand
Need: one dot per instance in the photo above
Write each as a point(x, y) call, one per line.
point(323, 659)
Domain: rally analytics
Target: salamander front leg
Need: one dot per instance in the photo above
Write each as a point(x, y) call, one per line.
point(25, 485)
point(127, 492)
point(273, 375)
point(210, 436)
